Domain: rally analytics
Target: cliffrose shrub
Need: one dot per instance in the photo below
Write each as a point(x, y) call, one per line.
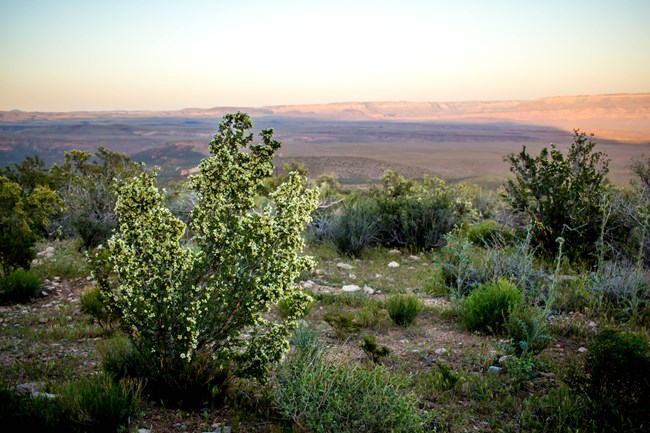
point(197, 311)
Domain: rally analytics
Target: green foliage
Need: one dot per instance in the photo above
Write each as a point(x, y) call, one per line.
point(95, 404)
point(528, 330)
point(561, 196)
point(68, 262)
point(23, 215)
point(344, 323)
point(320, 395)
point(357, 227)
point(201, 311)
point(403, 308)
point(488, 307)
point(87, 185)
point(618, 383)
point(418, 215)
point(373, 351)
point(92, 303)
point(489, 233)
point(19, 286)
point(438, 379)
point(29, 174)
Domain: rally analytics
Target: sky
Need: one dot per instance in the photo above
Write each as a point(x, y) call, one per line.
point(69, 55)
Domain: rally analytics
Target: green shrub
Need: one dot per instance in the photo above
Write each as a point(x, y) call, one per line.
point(357, 227)
point(92, 303)
point(618, 383)
point(488, 307)
point(19, 286)
point(197, 311)
point(95, 404)
point(489, 233)
point(344, 323)
point(319, 395)
point(403, 308)
point(562, 196)
point(373, 351)
point(528, 330)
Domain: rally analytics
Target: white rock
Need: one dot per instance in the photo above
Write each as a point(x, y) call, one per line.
point(503, 359)
point(416, 258)
point(368, 290)
point(344, 266)
point(441, 351)
point(351, 288)
point(352, 276)
point(393, 265)
point(144, 430)
point(582, 349)
point(309, 284)
point(57, 279)
point(394, 252)
point(49, 249)
point(44, 293)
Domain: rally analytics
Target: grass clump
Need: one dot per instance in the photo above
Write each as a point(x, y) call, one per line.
point(319, 395)
point(68, 262)
point(403, 308)
point(94, 404)
point(488, 307)
point(19, 286)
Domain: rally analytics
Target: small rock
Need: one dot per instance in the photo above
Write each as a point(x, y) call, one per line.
point(394, 252)
point(351, 288)
point(494, 369)
point(309, 284)
point(591, 324)
point(44, 293)
point(393, 265)
point(368, 290)
point(441, 351)
point(582, 349)
point(352, 276)
point(144, 430)
point(49, 250)
point(318, 272)
point(29, 388)
point(48, 255)
point(344, 266)
point(57, 279)
point(415, 258)
point(89, 278)
point(503, 359)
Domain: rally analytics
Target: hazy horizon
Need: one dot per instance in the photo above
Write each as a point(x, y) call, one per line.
point(169, 55)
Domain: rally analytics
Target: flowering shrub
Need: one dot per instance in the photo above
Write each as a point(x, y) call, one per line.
point(183, 304)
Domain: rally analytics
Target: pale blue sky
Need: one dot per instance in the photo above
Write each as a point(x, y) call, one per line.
point(152, 54)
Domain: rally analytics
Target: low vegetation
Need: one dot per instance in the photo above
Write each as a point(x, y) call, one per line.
point(255, 303)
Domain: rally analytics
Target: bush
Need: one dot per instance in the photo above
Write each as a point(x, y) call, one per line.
point(197, 313)
point(92, 303)
point(95, 404)
point(488, 307)
point(403, 309)
point(19, 286)
point(323, 396)
point(489, 233)
point(357, 227)
point(562, 196)
point(528, 330)
point(617, 366)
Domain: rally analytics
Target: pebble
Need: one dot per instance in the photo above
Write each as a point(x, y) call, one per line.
point(44, 293)
point(368, 290)
point(441, 351)
point(415, 258)
point(393, 265)
point(351, 288)
point(309, 284)
point(394, 252)
point(494, 369)
point(582, 349)
point(144, 430)
point(57, 279)
point(344, 266)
